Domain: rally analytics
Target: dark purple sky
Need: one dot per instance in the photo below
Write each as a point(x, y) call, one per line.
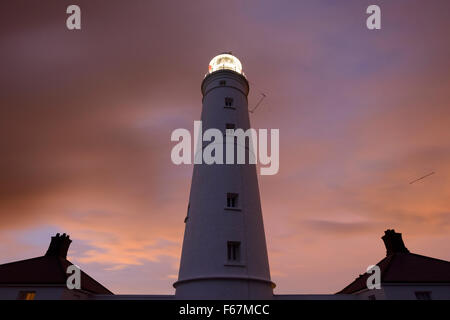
point(86, 118)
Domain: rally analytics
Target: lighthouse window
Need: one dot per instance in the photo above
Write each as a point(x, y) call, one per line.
point(234, 251)
point(232, 200)
point(228, 102)
point(229, 126)
point(223, 83)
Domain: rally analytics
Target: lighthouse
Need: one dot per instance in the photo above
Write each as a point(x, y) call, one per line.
point(224, 254)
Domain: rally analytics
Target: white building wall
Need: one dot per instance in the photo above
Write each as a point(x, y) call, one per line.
point(374, 294)
point(407, 291)
point(402, 291)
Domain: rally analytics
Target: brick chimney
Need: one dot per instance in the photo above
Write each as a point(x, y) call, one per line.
point(393, 242)
point(59, 246)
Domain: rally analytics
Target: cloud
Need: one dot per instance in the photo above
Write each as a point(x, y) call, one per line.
point(345, 228)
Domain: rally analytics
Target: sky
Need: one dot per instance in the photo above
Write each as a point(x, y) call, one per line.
point(86, 118)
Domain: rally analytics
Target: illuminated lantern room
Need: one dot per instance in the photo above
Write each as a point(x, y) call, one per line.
point(225, 61)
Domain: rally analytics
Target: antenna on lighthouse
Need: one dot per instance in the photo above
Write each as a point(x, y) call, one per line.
point(263, 96)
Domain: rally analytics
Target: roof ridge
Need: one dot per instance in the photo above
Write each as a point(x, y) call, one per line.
point(20, 261)
point(430, 258)
point(365, 275)
point(86, 275)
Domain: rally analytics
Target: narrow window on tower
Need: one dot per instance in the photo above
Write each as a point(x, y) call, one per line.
point(234, 251)
point(229, 102)
point(229, 126)
point(232, 200)
point(223, 83)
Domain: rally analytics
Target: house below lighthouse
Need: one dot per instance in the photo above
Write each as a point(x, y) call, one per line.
point(45, 277)
point(404, 275)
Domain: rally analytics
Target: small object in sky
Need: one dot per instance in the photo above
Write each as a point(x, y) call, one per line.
point(430, 174)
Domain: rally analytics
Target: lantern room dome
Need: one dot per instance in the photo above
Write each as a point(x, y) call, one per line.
point(225, 61)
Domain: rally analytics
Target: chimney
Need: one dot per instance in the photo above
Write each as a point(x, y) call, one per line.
point(393, 242)
point(59, 246)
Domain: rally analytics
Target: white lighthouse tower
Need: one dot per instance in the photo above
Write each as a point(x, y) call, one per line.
point(224, 249)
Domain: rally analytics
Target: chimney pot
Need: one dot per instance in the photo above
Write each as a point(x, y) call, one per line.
point(59, 246)
point(393, 242)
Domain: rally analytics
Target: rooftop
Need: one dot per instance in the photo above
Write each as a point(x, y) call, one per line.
point(50, 269)
point(401, 266)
